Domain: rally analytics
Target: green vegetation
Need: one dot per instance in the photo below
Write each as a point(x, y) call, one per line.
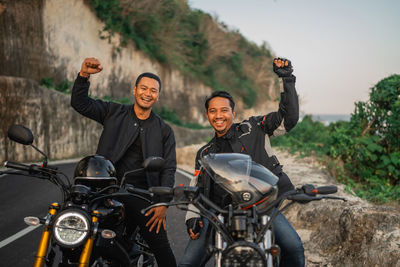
point(191, 41)
point(64, 86)
point(123, 101)
point(364, 153)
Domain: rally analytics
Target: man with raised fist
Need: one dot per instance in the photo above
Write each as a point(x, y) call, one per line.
point(249, 137)
point(131, 134)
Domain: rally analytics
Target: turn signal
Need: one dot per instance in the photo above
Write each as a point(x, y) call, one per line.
point(108, 234)
point(32, 221)
point(274, 250)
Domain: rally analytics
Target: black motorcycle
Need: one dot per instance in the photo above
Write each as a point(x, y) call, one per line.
point(243, 230)
point(88, 228)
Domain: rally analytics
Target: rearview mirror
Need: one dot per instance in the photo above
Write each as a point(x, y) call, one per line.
point(20, 134)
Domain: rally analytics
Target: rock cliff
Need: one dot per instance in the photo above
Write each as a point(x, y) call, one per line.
point(336, 233)
point(50, 39)
point(42, 41)
point(58, 130)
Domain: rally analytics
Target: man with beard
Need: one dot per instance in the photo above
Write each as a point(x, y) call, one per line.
point(250, 137)
point(132, 133)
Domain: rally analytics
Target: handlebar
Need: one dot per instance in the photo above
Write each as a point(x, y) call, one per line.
point(190, 192)
point(31, 169)
point(304, 194)
point(310, 190)
point(162, 191)
point(48, 173)
point(325, 190)
point(17, 166)
point(135, 190)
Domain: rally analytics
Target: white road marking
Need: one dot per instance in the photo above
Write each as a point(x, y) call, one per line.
point(20, 234)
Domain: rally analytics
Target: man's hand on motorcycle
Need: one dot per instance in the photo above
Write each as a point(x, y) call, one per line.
point(90, 66)
point(194, 225)
point(158, 218)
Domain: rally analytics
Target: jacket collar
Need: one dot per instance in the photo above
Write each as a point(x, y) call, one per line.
point(229, 134)
point(144, 123)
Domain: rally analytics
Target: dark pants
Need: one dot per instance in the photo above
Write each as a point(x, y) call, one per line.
point(158, 243)
point(292, 251)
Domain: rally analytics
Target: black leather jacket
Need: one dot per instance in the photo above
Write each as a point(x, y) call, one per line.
point(250, 137)
point(120, 131)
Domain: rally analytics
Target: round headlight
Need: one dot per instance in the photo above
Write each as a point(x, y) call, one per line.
point(71, 228)
point(243, 253)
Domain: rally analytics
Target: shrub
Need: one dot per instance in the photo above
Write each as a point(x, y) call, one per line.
point(65, 86)
point(365, 152)
point(190, 40)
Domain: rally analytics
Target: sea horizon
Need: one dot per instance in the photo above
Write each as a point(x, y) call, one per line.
point(328, 118)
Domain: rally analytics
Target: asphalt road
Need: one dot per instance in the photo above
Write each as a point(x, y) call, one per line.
point(23, 196)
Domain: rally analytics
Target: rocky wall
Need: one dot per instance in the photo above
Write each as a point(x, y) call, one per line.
point(58, 130)
point(40, 40)
point(348, 234)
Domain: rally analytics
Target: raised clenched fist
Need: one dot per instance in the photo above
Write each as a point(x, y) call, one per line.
point(282, 67)
point(90, 66)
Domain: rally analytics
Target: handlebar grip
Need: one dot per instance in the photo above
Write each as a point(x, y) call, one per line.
point(53, 168)
point(161, 190)
point(325, 190)
point(17, 166)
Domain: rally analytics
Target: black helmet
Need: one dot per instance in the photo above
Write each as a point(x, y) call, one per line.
point(96, 172)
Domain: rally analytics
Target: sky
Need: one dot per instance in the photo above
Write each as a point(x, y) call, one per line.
point(339, 48)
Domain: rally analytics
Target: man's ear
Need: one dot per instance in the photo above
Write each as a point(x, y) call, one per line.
point(234, 113)
point(134, 90)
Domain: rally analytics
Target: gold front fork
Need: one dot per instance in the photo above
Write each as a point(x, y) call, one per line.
point(45, 239)
point(86, 253)
point(87, 249)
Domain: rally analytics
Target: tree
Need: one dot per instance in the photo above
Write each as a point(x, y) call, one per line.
point(375, 129)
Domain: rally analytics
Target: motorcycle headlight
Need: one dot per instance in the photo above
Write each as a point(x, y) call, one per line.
point(243, 253)
point(71, 228)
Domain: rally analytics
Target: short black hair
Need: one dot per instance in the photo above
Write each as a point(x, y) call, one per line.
point(223, 94)
point(149, 75)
